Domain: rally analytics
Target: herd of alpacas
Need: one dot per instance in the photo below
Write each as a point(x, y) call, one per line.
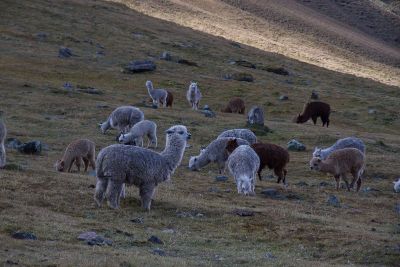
point(129, 163)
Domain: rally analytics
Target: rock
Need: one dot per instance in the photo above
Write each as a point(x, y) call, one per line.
point(155, 240)
point(213, 190)
point(89, 90)
point(208, 113)
point(168, 231)
point(159, 252)
point(13, 143)
point(24, 235)
point(244, 63)
point(32, 147)
point(189, 214)
point(68, 86)
point(154, 106)
point(372, 111)
point(314, 95)
point(206, 107)
point(333, 201)
point(324, 184)
point(92, 186)
point(102, 106)
point(283, 98)
point(370, 189)
point(137, 66)
point(294, 145)
point(166, 56)
point(100, 53)
point(64, 52)
point(235, 44)
point(241, 76)
point(138, 220)
point(10, 262)
point(276, 70)
point(221, 178)
point(272, 193)
point(187, 62)
point(244, 213)
point(93, 239)
point(269, 256)
point(42, 35)
point(301, 183)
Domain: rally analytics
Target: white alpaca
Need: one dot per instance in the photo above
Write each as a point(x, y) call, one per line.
point(158, 95)
point(193, 95)
point(138, 131)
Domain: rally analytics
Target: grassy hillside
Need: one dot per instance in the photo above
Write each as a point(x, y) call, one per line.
point(301, 230)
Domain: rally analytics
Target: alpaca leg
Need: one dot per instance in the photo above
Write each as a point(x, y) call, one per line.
point(101, 186)
point(359, 181)
point(337, 179)
point(146, 193)
point(284, 175)
point(113, 193)
point(355, 177)
point(70, 164)
point(123, 193)
point(77, 161)
point(279, 173)
point(86, 163)
point(314, 119)
point(259, 174)
point(347, 182)
point(92, 162)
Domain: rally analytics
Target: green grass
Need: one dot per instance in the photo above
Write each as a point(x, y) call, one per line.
point(58, 206)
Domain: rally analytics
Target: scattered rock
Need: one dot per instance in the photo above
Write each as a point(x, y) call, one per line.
point(42, 35)
point(166, 56)
point(155, 240)
point(68, 86)
point(32, 147)
point(241, 76)
point(213, 190)
point(168, 231)
point(283, 98)
point(244, 63)
point(92, 186)
point(64, 52)
point(13, 143)
point(93, 239)
point(159, 252)
point(187, 62)
point(279, 70)
point(272, 193)
point(137, 66)
point(314, 95)
point(372, 111)
point(100, 53)
point(269, 256)
point(137, 35)
point(294, 145)
point(333, 201)
point(24, 235)
point(244, 213)
point(10, 262)
point(88, 90)
point(235, 44)
point(138, 220)
point(221, 178)
point(301, 183)
point(324, 184)
point(102, 106)
point(370, 189)
point(207, 112)
point(189, 214)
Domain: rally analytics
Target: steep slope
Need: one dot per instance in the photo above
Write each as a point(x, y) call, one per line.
point(328, 34)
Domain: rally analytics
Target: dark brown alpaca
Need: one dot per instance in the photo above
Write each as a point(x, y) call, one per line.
point(273, 156)
point(314, 110)
point(170, 99)
point(236, 105)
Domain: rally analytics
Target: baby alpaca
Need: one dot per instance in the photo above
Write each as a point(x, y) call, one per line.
point(82, 149)
point(214, 152)
point(340, 162)
point(245, 134)
point(3, 134)
point(243, 164)
point(314, 110)
point(236, 105)
point(144, 168)
point(341, 143)
point(138, 131)
point(193, 95)
point(158, 95)
point(122, 119)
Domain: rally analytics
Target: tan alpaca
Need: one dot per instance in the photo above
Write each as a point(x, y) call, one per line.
point(78, 150)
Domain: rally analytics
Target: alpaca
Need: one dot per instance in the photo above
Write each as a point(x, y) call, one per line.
point(256, 116)
point(122, 118)
point(3, 134)
point(341, 143)
point(170, 99)
point(76, 151)
point(236, 105)
point(340, 162)
point(245, 134)
point(193, 95)
point(144, 168)
point(138, 131)
point(158, 95)
point(314, 110)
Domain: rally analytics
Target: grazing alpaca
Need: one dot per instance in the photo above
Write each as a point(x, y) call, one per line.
point(138, 131)
point(158, 95)
point(193, 95)
point(82, 149)
point(340, 162)
point(120, 164)
point(245, 134)
point(122, 118)
point(314, 110)
point(236, 105)
point(341, 143)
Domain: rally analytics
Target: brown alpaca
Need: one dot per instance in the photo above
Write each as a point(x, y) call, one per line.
point(170, 99)
point(273, 156)
point(236, 105)
point(314, 110)
point(82, 149)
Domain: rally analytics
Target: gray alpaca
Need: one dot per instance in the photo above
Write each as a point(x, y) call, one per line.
point(138, 131)
point(348, 142)
point(157, 95)
point(193, 95)
point(256, 116)
point(3, 134)
point(144, 168)
point(122, 119)
point(245, 134)
point(214, 152)
point(243, 164)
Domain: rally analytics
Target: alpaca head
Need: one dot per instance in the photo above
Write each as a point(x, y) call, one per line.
point(315, 164)
point(59, 165)
point(244, 185)
point(299, 119)
point(178, 133)
point(231, 145)
point(193, 85)
point(149, 85)
point(194, 163)
point(317, 152)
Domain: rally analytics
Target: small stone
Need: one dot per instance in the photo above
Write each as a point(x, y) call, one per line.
point(272, 193)
point(155, 240)
point(301, 183)
point(221, 178)
point(87, 235)
point(159, 252)
point(244, 213)
point(68, 86)
point(93, 239)
point(168, 231)
point(64, 52)
point(102, 106)
point(24, 235)
point(369, 189)
point(372, 111)
point(42, 35)
point(32, 147)
point(324, 184)
point(333, 201)
point(100, 53)
point(242, 76)
point(138, 220)
point(13, 143)
point(166, 56)
point(235, 44)
point(91, 186)
point(269, 256)
point(206, 107)
point(276, 70)
point(294, 145)
point(137, 66)
point(244, 63)
point(208, 113)
point(213, 190)
point(283, 98)
point(187, 62)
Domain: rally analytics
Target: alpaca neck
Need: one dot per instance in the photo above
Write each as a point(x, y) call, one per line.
point(105, 125)
point(327, 166)
point(202, 159)
point(150, 89)
point(173, 152)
